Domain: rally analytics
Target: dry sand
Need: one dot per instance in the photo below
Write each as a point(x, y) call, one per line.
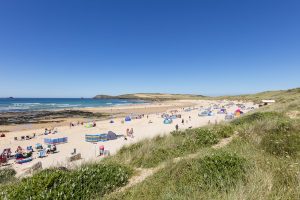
point(142, 130)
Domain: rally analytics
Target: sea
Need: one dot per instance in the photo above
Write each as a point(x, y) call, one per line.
point(40, 104)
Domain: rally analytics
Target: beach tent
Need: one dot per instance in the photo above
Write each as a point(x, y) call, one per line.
point(222, 111)
point(111, 135)
point(168, 121)
point(127, 119)
point(210, 114)
point(204, 113)
point(238, 112)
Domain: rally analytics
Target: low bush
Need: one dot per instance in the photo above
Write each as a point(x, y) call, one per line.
point(7, 175)
point(222, 170)
point(205, 136)
point(83, 183)
point(281, 143)
point(150, 153)
point(224, 131)
point(258, 116)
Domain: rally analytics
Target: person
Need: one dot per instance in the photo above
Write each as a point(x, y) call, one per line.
point(94, 124)
point(53, 148)
point(131, 132)
point(55, 130)
point(176, 127)
point(182, 121)
point(190, 118)
point(19, 150)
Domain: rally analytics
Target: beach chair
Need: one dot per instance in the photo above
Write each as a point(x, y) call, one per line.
point(42, 154)
point(29, 148)
point(38, 146)
point(3, 159)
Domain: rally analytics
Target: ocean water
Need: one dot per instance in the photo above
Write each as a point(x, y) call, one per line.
point(38, 104)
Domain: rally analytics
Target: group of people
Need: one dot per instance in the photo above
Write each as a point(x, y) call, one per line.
point(76, 124)
point(21, 154)
point(50, 131)
point(129, 133)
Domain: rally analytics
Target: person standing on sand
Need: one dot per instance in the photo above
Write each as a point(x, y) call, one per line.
point(176, 127)
point(131, 132)
point(182, 121)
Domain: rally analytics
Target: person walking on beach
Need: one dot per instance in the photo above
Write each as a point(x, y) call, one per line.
point(182, 121)
point(176, 127)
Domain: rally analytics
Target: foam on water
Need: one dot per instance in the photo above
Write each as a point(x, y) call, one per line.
point(35, 104)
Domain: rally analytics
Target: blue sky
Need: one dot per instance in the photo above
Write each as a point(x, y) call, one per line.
point(74, 48)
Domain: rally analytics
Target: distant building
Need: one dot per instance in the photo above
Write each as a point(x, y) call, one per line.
point(266, 102)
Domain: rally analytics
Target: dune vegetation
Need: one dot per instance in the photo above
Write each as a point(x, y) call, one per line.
point(256, 156)
point(262, 162)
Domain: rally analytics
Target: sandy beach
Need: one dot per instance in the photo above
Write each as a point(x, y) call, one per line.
point(189, 110)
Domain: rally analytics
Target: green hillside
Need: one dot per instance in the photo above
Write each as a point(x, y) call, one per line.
point(151, 96)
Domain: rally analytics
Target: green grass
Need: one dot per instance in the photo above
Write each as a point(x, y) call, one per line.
point(282, 144)
point(220, 171)
point(215, 173)
point(262, 163)
point(150, 153)
point(83, 183)
point(7, 175)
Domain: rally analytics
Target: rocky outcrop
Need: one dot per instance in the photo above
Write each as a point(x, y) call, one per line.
point(42, 116)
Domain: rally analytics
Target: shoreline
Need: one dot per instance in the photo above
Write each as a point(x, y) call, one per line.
point(106, 111)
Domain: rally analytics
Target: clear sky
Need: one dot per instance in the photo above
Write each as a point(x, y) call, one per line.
point(71, 48)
